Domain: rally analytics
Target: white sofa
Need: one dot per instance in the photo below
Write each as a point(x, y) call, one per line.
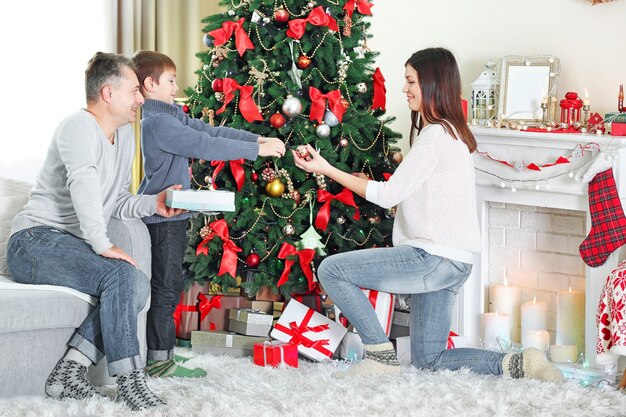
point(37, 321)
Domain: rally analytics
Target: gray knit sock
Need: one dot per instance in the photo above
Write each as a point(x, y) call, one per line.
point(134, 391)
point(69, 380)
point(531, 363)
point(378, 359)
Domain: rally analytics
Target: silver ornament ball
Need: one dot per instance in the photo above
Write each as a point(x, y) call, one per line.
point(330, 119)
point(292, 106)
point(361, 88)
point(322, 131)
point(343, 143)
point(289, 230)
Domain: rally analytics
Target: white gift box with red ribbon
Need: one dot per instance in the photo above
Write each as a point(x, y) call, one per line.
point(383, 304)
point(316, 336)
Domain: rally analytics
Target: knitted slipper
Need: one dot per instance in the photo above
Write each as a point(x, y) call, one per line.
point(164, 369)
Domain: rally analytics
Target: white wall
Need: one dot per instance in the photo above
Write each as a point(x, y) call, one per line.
point(587, 39)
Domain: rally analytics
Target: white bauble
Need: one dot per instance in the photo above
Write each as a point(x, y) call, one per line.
point(322, 131)
point(292, 106)
point(330, 119)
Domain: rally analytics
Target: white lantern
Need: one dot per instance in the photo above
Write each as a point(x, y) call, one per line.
point(485, 94)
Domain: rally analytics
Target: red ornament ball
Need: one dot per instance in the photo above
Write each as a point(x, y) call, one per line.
point(277, 120)
point(281, 15)
point(345, 103)
point(217, 85)
point(303, 62)
point(186, 108)
point(254, 176)
point(253, 260)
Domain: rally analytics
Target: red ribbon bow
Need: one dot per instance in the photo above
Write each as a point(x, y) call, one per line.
point(297, 334)
point(318, 104)
point(235, 168)
point(450, 341)
point(248, 107)
point(317, 17)
point(363, 6)
point(305, 256)
point(178, 313)
point(223, 34)
point(323, 196)
point(205, 305)
point(229, 257)
point(380, 97)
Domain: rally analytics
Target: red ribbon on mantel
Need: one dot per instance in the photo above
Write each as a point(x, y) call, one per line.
point(317, 17)
point(229, 256)
point(297, 334)
point(247, 106)
point(318, 104)
point(380, 91)
point(323, 196)
point(223, 34)
point(305, 257)
point(363, 6)
point(205, 305)
point(235, 168)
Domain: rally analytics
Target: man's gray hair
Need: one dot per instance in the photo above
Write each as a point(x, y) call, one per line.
point(103, 68)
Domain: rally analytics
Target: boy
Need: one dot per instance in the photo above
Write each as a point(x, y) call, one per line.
point(168, 139)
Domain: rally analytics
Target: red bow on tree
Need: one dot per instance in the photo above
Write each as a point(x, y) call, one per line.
point(223, 34)
point(229, 257)
point(364, 7)
point(318, 104)
point(323, 196)
point(235, 168)
point(248, 107)
point(305, 256)
point(380, 92)
point(317, 17)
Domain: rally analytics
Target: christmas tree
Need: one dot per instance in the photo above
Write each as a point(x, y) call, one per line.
point(300, 71)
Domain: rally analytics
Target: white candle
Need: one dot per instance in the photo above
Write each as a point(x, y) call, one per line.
point(570, 319)
point(534, 315)
point(495, 325)
point(586, 99)
point(563, 353)
point(505, 299)
point(539, 339)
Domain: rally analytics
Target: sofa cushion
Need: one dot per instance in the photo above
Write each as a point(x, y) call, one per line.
point(10, 206)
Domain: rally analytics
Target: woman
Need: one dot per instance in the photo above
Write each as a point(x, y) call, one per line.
point(435, 235)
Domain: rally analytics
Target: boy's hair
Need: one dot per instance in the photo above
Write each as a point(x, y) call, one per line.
point(103, 68)
point(151, 64)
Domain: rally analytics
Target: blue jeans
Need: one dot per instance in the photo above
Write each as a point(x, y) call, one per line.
point(45, 255)
point(169, 241)
point(433, 281)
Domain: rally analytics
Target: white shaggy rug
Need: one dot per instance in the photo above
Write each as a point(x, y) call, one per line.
point(237, 387)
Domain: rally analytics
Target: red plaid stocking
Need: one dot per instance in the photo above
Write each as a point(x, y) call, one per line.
point(608, 224)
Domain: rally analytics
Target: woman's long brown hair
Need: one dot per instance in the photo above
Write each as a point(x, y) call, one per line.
point(440, 82)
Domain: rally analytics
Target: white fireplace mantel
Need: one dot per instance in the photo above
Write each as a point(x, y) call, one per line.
point(558, 187)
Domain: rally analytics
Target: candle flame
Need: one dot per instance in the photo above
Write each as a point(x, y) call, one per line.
point(506, 282)
point(586, 94)
point(496, 312)
point(570, 289)
point(535, 300)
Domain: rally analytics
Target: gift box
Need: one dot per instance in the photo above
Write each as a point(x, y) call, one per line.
point(618, 129)
point(618, 123)
point(274, 353)
point(224, 343)
point(351, 347)
point(403, 349)
point(214, 310)
point(383, 304)
point(316, 336)
point(186, 313)
point(249, 322)
point(311, 300)
point(201, 200)
point(266, 307)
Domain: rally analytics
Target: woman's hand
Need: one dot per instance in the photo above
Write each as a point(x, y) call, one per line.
point(271, 147)
point(313, 163)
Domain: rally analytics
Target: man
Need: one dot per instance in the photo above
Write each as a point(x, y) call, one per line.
point(60, 236)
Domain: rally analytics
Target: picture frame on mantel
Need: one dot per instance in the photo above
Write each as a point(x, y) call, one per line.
point(526, 81)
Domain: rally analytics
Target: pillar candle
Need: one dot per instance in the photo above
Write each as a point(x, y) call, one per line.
point(534, 315)
point(539, 339)
point(505, 300)
point(494, 325)
point(570, 319)
point(563, 353)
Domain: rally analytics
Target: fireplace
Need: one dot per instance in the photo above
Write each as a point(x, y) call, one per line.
point(505, 186)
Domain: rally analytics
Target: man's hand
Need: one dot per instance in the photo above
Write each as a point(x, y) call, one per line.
point(271, 147)
point(162, 209)
point(116, 253)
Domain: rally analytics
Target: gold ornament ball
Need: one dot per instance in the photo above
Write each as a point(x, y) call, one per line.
point(275, 188)
point(397, 157)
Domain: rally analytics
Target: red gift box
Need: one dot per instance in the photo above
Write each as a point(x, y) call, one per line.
point(214, 310)
point(186, 313)
point(618, 129)
point(275, 353)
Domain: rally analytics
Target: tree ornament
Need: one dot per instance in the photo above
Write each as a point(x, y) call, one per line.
point(208, 180)
point(268, 174)
point(296, 196)
point(205, 231)
point(341, 220)
point(390, 213)
point(217, 85)
point(343, 142)
point(254, 176)
point(322, 131)
point(292, 106)
point(397, 157)
point(345, 103)
point(281, 15)
point(219, 97)
point(277, 120)
point(186, 108)
point(303, 62)
point(302, 151)
point(208, 40)
point(245, 200)
point(253, 260)
point(275, 188)
point(374, 220)
point(361, 88)
point(289, 230)
point(330, 119)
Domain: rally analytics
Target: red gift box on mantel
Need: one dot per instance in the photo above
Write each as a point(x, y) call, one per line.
point(274, 353)
point(186, 313)
point(214, 310)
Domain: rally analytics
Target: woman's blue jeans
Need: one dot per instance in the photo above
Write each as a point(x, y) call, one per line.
point(433, 281)
point(45, 255)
